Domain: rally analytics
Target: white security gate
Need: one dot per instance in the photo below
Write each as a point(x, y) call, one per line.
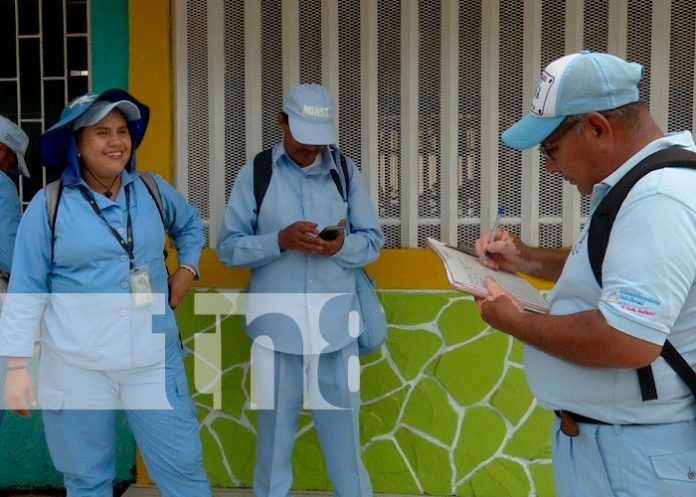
point(424, 88)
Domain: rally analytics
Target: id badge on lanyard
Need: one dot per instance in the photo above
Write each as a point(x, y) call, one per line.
point(141, 287)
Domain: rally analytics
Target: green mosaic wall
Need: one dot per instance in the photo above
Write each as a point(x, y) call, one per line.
point(446, 409)
point(26, 463)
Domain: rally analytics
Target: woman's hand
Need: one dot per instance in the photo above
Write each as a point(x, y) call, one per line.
point(179, 284)
point(19, 391)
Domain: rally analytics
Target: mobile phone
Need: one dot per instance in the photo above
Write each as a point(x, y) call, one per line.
point(331, 232)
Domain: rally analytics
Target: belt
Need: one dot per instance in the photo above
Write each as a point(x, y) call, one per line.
point(570, 420)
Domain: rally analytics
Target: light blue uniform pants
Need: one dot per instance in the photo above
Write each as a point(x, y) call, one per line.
point(82, 443)
point(626, 461)
point(337, 429)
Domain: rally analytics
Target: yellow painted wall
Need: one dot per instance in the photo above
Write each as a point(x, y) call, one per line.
point(150, 80)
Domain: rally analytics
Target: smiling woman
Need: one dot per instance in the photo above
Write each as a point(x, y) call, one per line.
point(63, 48)
point(104, 147)
point(109, 338)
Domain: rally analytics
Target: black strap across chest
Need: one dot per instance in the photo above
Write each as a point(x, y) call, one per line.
point(598, 238)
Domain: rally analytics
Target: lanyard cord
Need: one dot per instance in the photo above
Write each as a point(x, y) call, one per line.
point(126, 245)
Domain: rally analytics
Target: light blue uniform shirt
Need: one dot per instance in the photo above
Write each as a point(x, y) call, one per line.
point(10, 214)
point(294, 195)
point(104, 331)
point(647, 292)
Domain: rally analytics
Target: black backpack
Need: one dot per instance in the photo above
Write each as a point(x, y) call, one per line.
point(598, 238)
point(263, 172)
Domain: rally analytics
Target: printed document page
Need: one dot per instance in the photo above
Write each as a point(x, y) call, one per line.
point(466, 273)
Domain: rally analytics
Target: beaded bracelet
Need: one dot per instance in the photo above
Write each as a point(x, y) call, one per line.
point(12, 368)
point(189, 269)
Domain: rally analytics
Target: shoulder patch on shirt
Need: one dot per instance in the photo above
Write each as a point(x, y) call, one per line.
point(633, 303)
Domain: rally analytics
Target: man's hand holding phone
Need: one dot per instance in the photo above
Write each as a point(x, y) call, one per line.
point(304, 236)
point(331, 232)
point(333, 237)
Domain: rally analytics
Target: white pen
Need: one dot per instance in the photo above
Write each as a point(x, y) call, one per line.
point(493, 231)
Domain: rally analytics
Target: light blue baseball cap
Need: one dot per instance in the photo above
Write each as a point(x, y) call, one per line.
point(573, 85)
point(311, 113)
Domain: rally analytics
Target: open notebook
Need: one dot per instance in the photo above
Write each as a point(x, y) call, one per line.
point(466, 273)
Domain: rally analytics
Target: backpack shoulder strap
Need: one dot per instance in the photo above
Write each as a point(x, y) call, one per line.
point(154, 191)
point(53, 192)
point(346, 176)
point(341, 165)
point(598, 239)
point(149, 180)
point(679, 364)
point(262, 176)
point(605, 213)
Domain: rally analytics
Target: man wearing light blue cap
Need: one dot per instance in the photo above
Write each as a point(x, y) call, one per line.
point(293, 268)
point(13, 145)
point(612, 435)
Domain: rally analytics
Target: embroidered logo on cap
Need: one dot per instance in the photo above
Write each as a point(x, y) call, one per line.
point(11, 141)
point(315, 111)
point(84, 99)
point(541, 94)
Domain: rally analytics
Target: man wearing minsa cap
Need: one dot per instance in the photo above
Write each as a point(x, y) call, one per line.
point(301, 291)
point(13, 146)
point(612, 436)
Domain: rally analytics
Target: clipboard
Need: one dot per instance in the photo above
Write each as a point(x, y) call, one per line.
point(466, 273)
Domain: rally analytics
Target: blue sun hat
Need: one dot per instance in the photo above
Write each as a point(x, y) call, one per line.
point(58, 146)
point(573, 85)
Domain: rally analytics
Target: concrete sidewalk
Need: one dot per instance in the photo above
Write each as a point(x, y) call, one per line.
point(148, 491)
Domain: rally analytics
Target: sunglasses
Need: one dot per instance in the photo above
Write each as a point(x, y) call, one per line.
point(568, 123)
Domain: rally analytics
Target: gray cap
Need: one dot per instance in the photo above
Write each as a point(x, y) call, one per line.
point(14, 137)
